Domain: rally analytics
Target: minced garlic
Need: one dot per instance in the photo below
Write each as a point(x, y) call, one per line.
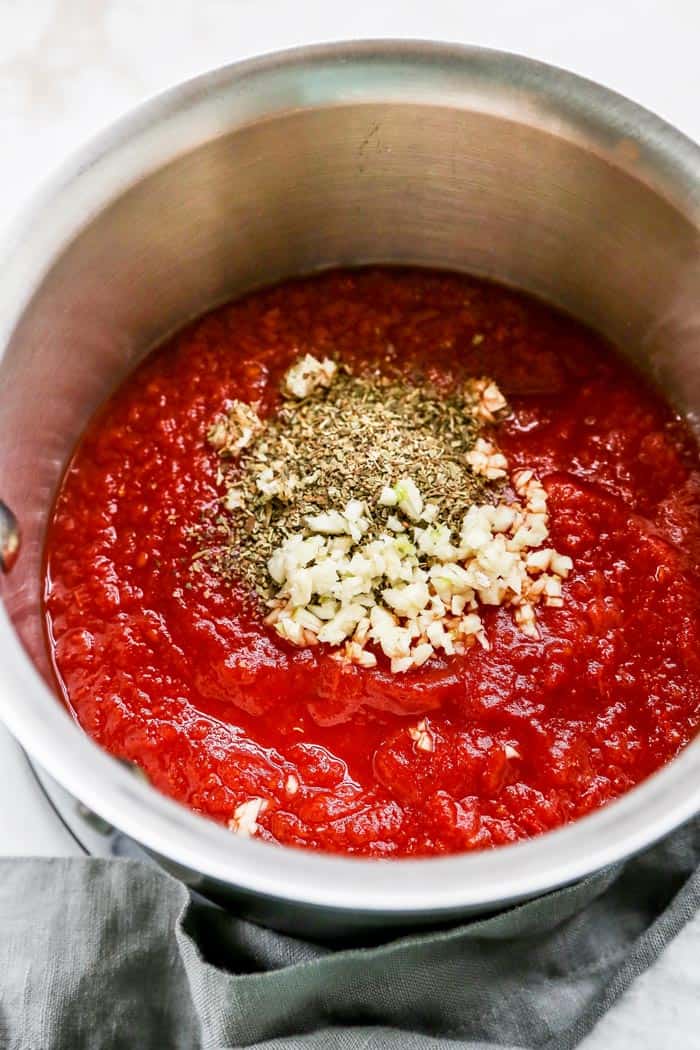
point(419, 592)
point(233, 432)
point(308, 375)
point(485, 459)
point(422, 737)
point(245, 816)
point(489, 403)
point(351, 551)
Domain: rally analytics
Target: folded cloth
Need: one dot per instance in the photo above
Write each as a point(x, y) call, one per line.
point(111, 954)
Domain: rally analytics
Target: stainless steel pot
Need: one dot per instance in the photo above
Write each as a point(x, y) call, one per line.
point(404, 152)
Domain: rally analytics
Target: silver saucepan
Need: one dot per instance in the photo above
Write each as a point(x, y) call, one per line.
point(352, 153)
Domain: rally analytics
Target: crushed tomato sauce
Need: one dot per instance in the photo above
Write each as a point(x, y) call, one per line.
point(175, 670)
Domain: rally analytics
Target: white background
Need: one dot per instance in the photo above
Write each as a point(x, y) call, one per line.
point(69, 67)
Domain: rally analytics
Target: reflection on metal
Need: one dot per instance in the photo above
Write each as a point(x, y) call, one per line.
point(9, 538)
point(93, 820)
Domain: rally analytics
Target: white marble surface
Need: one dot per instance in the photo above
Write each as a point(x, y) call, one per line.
point(69, 67)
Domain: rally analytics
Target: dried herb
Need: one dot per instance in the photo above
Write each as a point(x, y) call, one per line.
point(342, 443)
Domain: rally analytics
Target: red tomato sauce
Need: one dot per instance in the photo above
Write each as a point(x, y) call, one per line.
point(176, 672)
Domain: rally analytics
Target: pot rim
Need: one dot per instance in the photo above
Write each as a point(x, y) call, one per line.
point(176, 121)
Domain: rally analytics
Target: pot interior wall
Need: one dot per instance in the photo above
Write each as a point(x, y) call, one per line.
point(429, 185)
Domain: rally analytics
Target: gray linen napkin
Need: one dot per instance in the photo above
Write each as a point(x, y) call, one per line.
point(111, 954)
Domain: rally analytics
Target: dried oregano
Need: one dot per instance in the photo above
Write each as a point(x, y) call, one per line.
point(341, 437)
